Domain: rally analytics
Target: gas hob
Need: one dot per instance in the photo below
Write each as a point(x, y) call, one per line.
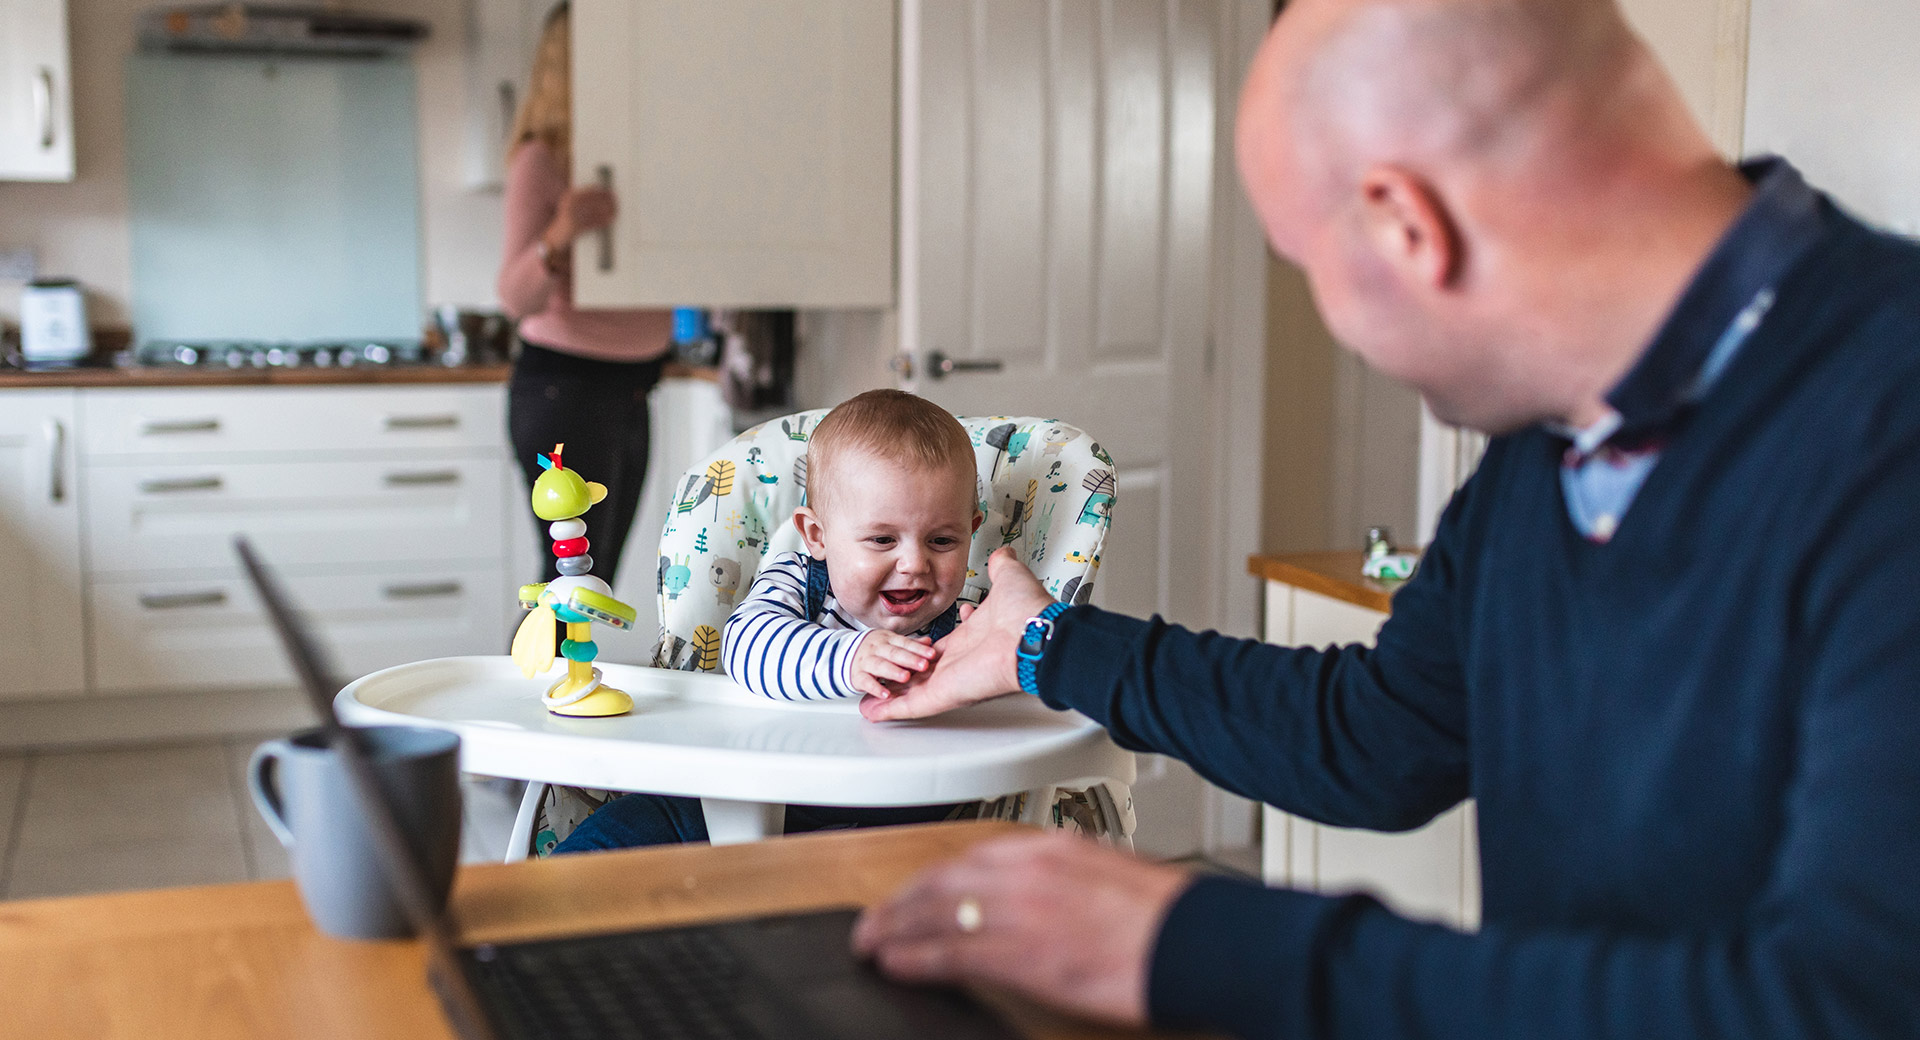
point(242, 354)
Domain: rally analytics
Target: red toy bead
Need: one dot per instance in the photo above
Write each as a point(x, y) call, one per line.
point(570, 547)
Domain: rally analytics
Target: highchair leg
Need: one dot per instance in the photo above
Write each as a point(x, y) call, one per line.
point(736, 823)
point(520, 842)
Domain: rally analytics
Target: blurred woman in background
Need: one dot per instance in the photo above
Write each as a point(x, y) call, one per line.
point(582, 376)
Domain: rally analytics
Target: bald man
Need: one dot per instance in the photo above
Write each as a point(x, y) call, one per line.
point(1666, 636)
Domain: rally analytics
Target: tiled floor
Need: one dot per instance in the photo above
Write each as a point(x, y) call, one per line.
point(100, 821)
point(73, 822)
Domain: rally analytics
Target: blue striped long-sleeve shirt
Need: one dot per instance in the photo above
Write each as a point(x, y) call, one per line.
point(774, 649)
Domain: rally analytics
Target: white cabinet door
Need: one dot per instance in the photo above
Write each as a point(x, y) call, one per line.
point(40, 635)
point(751, 147)
point(36, 110)
point(1430, 874)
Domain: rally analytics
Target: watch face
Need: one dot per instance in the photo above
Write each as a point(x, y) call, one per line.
point(1034, 639)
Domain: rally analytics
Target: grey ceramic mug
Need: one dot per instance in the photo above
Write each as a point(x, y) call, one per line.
point(303, 790)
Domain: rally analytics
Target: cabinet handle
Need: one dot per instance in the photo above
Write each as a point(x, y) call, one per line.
point(170, 486)
point(940, 366)
point(422, 422)
point(424, 590)
point(433, 479)
point(43, 105)
point(57, 461)
point(605, 174)
point(181, 600)
point(164, 426)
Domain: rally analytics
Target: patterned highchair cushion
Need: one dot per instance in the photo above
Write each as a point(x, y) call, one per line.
point(1047, 489)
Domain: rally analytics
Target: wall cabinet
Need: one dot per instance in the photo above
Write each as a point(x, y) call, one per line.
point(1430, 874)
point(41, 645)
point(36, 93)
point(751, 146)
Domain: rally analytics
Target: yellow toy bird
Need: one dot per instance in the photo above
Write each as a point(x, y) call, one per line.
point(561, 496)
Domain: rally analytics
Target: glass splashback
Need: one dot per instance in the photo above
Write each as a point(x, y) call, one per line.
point(273, 198)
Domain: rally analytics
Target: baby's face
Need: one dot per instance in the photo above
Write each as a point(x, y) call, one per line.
point(895, 538)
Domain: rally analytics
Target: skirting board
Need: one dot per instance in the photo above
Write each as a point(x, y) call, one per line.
point(150, 719)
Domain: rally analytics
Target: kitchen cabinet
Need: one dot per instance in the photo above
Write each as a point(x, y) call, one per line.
point(751, 146)
point(36, 93)
point(385, 510)
point(41, 644)
point(1431, 874)
point(501, 36)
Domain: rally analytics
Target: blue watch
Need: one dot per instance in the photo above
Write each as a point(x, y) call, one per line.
point(1033, 644)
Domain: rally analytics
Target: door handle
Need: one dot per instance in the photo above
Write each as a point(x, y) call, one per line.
point(605, 175)
point(57, 461)
point(43, 105)
point(940, 366)
point(432, 479)
point(171, 486)
point(422, 422)
point(162, 426)
point(180, 600)
point(424, 590)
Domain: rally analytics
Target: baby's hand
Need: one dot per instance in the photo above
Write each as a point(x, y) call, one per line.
point(883, 658)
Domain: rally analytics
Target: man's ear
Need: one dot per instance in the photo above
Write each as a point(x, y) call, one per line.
point(807, 522)
point(1407, 224)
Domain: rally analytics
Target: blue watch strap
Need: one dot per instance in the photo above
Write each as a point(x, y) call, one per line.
point(1033, 645)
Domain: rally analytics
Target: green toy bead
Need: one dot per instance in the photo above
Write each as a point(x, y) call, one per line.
point(582, 651)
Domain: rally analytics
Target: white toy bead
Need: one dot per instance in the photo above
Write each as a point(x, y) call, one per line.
point(561, 586)
point(561, 530)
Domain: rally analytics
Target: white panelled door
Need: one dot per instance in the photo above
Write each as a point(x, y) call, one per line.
point(1057, 224)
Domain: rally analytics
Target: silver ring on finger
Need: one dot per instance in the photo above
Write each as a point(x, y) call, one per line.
point(968, 916)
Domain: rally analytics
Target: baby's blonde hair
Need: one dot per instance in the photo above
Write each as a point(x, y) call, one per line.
point(892, 425)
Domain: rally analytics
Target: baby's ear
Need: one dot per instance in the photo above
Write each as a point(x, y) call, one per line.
point(808, 524)
point(978, 519)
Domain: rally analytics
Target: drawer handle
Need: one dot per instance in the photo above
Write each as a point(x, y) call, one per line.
point(424, 590)
point(57, 461)
point(429, 479)
point(167, 487)
point(422, 422)
point(179, 600)
point(165, 426)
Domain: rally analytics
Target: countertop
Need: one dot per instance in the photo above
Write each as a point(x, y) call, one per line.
point(1335, 574)
point(11, 378)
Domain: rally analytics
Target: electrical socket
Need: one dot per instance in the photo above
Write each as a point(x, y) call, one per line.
point(19, 265)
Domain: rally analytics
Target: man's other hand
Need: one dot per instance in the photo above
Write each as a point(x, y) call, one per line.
point(1064, 921)
point(977, 661)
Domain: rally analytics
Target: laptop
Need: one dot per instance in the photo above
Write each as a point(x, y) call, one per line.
point(783, 976)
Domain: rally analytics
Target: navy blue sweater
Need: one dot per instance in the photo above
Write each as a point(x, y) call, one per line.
point(1695, 748)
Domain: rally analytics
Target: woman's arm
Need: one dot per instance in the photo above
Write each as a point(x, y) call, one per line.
point(534, 188)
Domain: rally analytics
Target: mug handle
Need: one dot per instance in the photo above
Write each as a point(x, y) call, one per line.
point(266, 794)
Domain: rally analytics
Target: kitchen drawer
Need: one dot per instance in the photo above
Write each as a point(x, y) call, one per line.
point(283, 419)
point(177, 635)
point(175, 515)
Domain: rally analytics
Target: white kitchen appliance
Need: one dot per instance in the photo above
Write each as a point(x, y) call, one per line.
point(53, 323)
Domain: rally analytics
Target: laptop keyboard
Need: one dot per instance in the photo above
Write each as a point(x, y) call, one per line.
point(674, 985)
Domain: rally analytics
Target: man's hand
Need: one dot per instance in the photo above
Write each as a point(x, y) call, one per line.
point(1060, 919)
point(883, 658)
point(977, 659)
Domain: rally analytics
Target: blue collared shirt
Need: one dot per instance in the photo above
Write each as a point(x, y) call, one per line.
point(1607, 462)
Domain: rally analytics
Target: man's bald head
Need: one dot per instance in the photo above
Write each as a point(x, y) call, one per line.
point(1436, 165)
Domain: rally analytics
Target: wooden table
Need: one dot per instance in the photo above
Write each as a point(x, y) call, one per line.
point(241, 961)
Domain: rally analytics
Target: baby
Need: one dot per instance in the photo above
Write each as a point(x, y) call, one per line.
point(890, 515)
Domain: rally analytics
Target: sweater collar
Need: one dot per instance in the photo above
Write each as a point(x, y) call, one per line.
point(1781, 223)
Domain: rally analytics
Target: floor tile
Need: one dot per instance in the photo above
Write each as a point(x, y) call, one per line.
point(13, 770)
point(266, 858)
point(118, 868)
point(96, 821)
point(490, 805)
